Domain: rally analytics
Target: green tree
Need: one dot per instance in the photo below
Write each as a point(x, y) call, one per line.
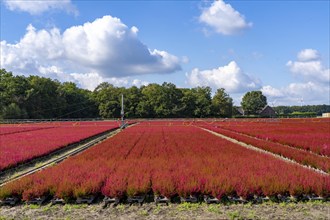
point(12, 94)
point(203, 102)
point(171, 99)
point(42, 98)
point(161, 101)
point(188, 101)
point(78, 103)
point(132, 98)
point(13, 111)
point(253, 102)
point(108, 98)
point(145, 108)
point(222, 104)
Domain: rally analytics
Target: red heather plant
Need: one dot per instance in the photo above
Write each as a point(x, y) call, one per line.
point(40, 187)
point(35, 192)
point(22, 147)
point(313, 187)
point(5, 193)
point(296, 190)
point(324, 191)
point(138, 184)
point(65, 190)
point(163, 184)
point(242, 190)
point(180, 159)
point(188, 185)
point(16, 188)
point(309, 136)
point(88, 188)
point(90, 185)
point(115, 186)
point(303, 157)
point(272, 188)
point(214, 187)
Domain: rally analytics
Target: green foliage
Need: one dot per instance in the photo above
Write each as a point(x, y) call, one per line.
point(287, 110)
point(235, 215)
point(107, 98)
point(37, 97)
point(303, 114)
point(252, 214)
point(13, 111)
point(202, 102)
point(299, 115)
point(215, 208)
point(253, 102)
point(12, 95)
point(143, 212)
point(186, 206)
point(222, 104)
point(33, 206)
point(77, 103)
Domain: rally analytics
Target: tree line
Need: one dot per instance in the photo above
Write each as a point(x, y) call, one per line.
point(302, 110)
point(36, 97)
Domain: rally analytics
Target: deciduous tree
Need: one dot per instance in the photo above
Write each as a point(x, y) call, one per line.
point(253, 102)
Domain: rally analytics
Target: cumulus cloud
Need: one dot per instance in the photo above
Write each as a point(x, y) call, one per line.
point(88, 80)
point(309, 67)
point(92, 80)
point(37, 7)
point(105, 46)
point(313, 87)
point(296, 93)
point(272, 92)
point(229, 77)
point(36, 50)
point(110, 47)
point(308, 55)
point(139, 83)
point(224, 19)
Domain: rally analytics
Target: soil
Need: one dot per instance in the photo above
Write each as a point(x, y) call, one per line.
point(268, 210)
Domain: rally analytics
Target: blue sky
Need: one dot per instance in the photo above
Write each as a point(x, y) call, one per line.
point(278, 47)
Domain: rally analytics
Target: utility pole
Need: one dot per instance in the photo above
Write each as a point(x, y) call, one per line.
point(122, 113)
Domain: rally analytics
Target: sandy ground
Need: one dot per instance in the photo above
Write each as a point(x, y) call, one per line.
point(268, 210)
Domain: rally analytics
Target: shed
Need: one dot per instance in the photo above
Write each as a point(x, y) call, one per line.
point(267, 111)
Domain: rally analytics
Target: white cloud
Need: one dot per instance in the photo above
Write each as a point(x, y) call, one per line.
point(37, 7)
point(224, 19)
point(106, 47)
point(185, 59)
point(313, 87)
point(309, 67)
point(92, 80)
point(37, 49)
point(272, 92)
point(139, 83)
point(295, 93)
point(112, 49)
point(88, 80)
point(308, 54)
point(229, 77)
